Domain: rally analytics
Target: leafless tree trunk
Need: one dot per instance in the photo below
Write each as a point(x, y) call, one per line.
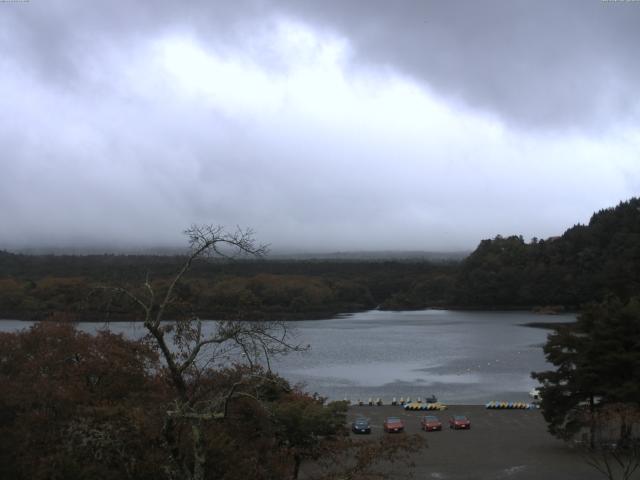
point(613, 450)
point(188, 351)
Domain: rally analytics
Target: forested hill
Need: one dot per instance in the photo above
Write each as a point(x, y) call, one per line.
point(585, 264)
point(42, 286)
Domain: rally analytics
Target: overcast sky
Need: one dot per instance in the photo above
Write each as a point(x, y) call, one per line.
point(323, 125)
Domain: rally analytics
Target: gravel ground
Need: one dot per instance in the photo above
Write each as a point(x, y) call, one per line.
point(501, 444)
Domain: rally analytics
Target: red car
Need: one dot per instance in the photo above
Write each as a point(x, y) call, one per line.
point(430, 423)
point(459, 422)
point(393, 424)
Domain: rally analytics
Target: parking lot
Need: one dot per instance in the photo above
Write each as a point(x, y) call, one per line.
point(510, 444)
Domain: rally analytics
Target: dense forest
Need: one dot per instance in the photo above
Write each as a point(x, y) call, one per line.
point(586, 263)
point(44, 285)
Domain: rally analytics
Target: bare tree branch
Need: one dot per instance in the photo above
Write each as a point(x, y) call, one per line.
point(257, 340)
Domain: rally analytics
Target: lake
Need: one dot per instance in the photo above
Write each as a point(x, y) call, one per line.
point(459, 356)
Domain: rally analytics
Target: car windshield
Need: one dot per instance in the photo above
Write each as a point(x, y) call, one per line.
point(393, 420)
point(430, 419)
point(460, 417)
point(362, 421)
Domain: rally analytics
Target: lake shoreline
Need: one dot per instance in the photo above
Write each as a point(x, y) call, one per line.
point(466, 357)
point(283, 315)
point(546, 325)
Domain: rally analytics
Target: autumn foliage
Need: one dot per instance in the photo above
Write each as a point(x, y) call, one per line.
point(75, 405)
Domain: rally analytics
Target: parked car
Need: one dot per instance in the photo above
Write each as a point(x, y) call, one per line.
point(459, 422)
point(430, 423)
point(393, 424)
point(360, 425)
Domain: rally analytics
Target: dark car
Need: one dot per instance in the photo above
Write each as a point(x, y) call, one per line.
point(393, 424)
point(430, 423)
point(458, 422)
point(360, 425)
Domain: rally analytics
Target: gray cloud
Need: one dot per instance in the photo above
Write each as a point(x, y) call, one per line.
point(568, 63)
point(411, 125)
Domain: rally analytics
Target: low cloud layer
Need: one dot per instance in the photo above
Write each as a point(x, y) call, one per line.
point(323, 126)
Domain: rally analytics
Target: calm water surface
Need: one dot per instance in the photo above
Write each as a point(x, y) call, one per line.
point(461, 357)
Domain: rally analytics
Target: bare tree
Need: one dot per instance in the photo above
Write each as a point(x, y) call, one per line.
point(189, 348)
point(612, 445)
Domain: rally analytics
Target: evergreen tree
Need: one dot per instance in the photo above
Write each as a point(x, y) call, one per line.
point(597, 362)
